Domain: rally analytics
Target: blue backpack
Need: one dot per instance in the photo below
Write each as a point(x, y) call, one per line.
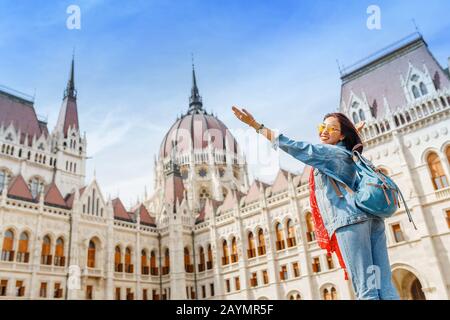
point(376, 193)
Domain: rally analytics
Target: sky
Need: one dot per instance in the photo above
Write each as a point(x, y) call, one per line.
point(278, 59)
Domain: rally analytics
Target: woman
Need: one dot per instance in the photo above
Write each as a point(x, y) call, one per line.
point(358, 237)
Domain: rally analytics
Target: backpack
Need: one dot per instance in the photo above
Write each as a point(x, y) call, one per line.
point(376, 193)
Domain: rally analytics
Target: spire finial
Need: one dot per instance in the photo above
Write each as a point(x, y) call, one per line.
point(70, 90)
point(195, 100)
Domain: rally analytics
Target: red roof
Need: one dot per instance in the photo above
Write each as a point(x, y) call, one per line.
point(145, 216)
point(18, 188)
point(53, 196)
point(68, 115)
point(21, 114)
point(119, 210)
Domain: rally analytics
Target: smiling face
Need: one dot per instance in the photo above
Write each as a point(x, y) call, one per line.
point(332, 133)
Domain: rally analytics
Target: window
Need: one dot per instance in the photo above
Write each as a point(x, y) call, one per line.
point(202, 172)
point(234, 253)
point(316, 265)
point(237, 283)
point(58, 291)
point(254, 280)
point(361, 115)
point(36, 186)
point(225, 258)
point(3, 287)
point(8, 246)
point(43, 290)
point(261, 243)
point(118, 267)
point(23, 255)
point(129, 267)
point(117, 293)
point(398, 234)
point(437, 172)
point(423, 89)
point(227, 285)
point(447, 152)
point(130, 295)
point(291, 234)
point(448, 218)
point(209, 264)
point(310, 235)
point(201, 265)
point(333, 293)
point(144, 294)
point(89, 293)
point(46, 257)
point(203, 291)
point(330, 262)
point(153, 267)
point(416, 92)
point(296, 269)
point(166, 268)
point(294, 296)
point(91, 255)
point(330, 293)
point(265, 277)
point(20, 289)
point(355, 117)
point(283, 273)
point(144, 263)
point(279, 234)
point(211, 288)
point(59, 253)
point(251, 252)
point(189, 268)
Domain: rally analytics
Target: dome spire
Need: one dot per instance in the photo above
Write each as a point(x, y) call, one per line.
point(195, 100)
point(70, 90)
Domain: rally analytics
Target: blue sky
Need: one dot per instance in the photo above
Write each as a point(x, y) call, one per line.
point(133, 66)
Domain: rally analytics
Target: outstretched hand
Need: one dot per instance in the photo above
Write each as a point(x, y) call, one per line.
point(244, 116)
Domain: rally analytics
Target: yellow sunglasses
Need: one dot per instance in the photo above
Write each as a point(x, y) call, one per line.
point(322, 127)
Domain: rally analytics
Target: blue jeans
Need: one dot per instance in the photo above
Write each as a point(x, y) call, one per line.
point(363, 248)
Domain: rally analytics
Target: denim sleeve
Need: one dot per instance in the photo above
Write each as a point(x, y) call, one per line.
point(329, 159)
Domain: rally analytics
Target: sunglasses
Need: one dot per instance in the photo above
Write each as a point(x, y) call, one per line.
point(322, 127)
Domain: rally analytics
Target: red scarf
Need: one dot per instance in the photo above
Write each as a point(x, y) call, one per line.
point(322, 237)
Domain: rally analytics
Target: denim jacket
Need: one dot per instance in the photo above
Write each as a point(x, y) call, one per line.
point(328, 160)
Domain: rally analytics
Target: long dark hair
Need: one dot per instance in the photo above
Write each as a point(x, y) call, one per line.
point(348, 130)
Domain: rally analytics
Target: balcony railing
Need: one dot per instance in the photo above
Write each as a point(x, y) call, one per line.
point(280, 245)
point(251, 253)
point(291, 242)
point(209, 265)
point(261, 250)
point(189, 268)
point(154, 271)
point(23, 257)
point(46, 260)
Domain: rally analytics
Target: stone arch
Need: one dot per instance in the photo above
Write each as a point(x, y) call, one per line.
point(409, 282)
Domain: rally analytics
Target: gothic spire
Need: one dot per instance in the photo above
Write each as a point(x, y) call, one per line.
point(195, 100)
point(70, 90)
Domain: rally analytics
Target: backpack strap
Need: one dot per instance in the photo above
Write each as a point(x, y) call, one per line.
point(336, 188)
point(407, 209)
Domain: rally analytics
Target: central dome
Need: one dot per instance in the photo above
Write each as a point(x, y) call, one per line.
point(196, 130)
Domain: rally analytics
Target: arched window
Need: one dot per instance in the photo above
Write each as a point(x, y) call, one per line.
point(251, 246)
point(447, 152)
point(187, 261)
point(4, 179)
point(279, 233)
point(437, 172)
point(129, 267)
point(310, 235)
point(355, 117)
point(234, 253)
point(23, 255)
point(261, 243)
point(153, 267)
point(201, 265)
point(144, 262)
point(416, 92)
point(166, 268)
point(326, 295)
point(423, 89)
point(118, 266)
point(334, 293)
point(225, 258)
point(291, 234)
point(91, 255)
point(8, 246)
point(36, 186)
point(209, 264)
point(361, 115)
point(59, 253)
point(46, 257)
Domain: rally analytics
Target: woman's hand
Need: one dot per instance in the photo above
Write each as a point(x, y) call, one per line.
point(245, 117)
point(359, 126)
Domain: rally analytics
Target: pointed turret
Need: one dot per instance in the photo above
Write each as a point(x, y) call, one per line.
point(195, 100)
point(68, 115)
